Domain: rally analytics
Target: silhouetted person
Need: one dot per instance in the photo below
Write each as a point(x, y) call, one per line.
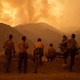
point(72, 49)
point(38, 54)
point(36, 59)
point(51, 52)
point(39, 45)
point(64, 48)
point(23, 56)
point(9, 49)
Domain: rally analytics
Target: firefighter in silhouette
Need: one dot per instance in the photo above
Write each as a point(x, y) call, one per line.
point(51, 52)
point(9, 49)
point(39, 46)
point(72, 49)
point(63, 47)
point(23, 56)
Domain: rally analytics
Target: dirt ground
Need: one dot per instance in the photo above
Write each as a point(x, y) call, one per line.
point(48, 71)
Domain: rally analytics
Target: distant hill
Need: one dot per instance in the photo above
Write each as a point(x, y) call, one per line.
point(78, 36)
point(5, 30)
point(48, 33)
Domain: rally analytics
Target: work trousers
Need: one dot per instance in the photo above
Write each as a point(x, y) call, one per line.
point(23, 58)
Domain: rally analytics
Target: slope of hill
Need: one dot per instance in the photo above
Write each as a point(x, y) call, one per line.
point(78, 36)
point(48, 33)
point(5, 30)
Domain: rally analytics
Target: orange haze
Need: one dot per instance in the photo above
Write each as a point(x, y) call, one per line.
point(63, 14)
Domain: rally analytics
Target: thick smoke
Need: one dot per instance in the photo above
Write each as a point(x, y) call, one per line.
point(56, 12)
point(27, 11)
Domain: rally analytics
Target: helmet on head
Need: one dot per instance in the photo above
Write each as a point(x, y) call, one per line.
point(39, 39)
point(73, 35)
point(10, 36)
point(64, 36)
point(51, 44)
point(23, 38)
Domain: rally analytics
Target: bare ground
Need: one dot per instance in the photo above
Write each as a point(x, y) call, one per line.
point(48, 71)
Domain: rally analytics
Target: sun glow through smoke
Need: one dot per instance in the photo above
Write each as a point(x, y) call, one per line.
point(60, 13)
point(56, 8)
point(10, 13)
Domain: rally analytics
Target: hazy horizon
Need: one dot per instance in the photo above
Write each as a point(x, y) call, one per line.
point(62, 14)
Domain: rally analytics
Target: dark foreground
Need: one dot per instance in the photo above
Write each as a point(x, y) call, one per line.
point(48, 71)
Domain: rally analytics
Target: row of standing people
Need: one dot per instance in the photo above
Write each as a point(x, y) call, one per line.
point(23, 55)
point(38, 52)
point(10, 51)
point(69, 47)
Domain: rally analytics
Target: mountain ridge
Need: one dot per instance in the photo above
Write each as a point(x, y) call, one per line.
point(48, 33)
point(5, 30)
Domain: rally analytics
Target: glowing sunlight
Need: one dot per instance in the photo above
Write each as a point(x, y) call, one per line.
point(63, 14)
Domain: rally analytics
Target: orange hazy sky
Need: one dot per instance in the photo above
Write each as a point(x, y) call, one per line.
point(62, 14)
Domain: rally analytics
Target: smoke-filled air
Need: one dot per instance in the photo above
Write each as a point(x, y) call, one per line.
point(62, 14)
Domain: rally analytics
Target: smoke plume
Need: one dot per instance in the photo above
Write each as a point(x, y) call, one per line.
point(60, 13)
